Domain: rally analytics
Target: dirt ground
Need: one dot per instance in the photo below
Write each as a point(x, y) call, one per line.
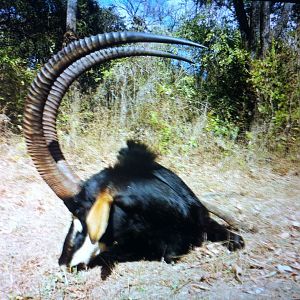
point(33, 224)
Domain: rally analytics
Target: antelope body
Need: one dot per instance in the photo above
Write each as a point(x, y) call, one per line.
point(135, 209)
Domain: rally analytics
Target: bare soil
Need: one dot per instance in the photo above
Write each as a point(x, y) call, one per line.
point(34, 222)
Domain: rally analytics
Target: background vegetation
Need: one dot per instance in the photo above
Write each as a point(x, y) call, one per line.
point(243, 91)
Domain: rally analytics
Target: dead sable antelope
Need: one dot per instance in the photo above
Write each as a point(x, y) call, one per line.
point(137, 208)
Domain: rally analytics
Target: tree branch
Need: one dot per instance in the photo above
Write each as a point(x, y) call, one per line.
point(265, 28)
point(228, 217)
point(283, 20)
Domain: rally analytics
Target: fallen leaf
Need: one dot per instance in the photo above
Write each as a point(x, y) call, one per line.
point(284, 268)
point(296, 278)
point(239, 207)
point(296, 265)
point(255, 264)
point(271, 274)
point(296, 225)
point(284, 235)
point(237, 272)
point(256, 291)
point(200, 287)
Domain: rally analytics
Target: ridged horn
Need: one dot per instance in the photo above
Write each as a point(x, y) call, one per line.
point(56, 172)
point(70, 74)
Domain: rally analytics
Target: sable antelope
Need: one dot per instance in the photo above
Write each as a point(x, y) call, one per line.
point(136, 208)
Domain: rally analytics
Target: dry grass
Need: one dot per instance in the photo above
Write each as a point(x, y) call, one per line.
point(34, 223)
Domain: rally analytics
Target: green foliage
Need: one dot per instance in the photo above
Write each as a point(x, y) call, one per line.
point(35, 28)
point(277, 83)
point(163, 129)
point(221, 128)
point(241, 93)
point(153, 99)
point(92, 19)
point(156, 105)
point(14, 80)
point(224, 73)
point(227, 84)
point(31, 31)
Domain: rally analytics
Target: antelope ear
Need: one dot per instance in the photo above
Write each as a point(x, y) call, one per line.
point(97, 218)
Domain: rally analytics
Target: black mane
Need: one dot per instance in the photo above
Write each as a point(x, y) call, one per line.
point(136, 158)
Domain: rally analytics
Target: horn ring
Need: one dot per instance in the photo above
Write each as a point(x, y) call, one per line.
point(70, 74)
point(54, 172)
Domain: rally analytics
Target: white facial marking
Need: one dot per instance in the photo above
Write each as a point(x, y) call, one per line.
point(77, 225)
point(85, 252)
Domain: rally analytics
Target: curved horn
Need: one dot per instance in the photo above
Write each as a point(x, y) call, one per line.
point(53, 171)
point(70, 74)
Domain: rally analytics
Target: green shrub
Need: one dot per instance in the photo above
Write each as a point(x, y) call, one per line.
point(15, 77)
point(276, 80)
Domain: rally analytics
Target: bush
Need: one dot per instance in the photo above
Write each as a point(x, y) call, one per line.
point(15, 77)
point(224, 77)
point(276, 81)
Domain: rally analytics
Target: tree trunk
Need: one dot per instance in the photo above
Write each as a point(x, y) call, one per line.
point(282, 22)
point(243, 22)
point(71, 15)
point(265, 28)
point(255, 27)
point(70, 34)
point(124, 102)
point(298, 41)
